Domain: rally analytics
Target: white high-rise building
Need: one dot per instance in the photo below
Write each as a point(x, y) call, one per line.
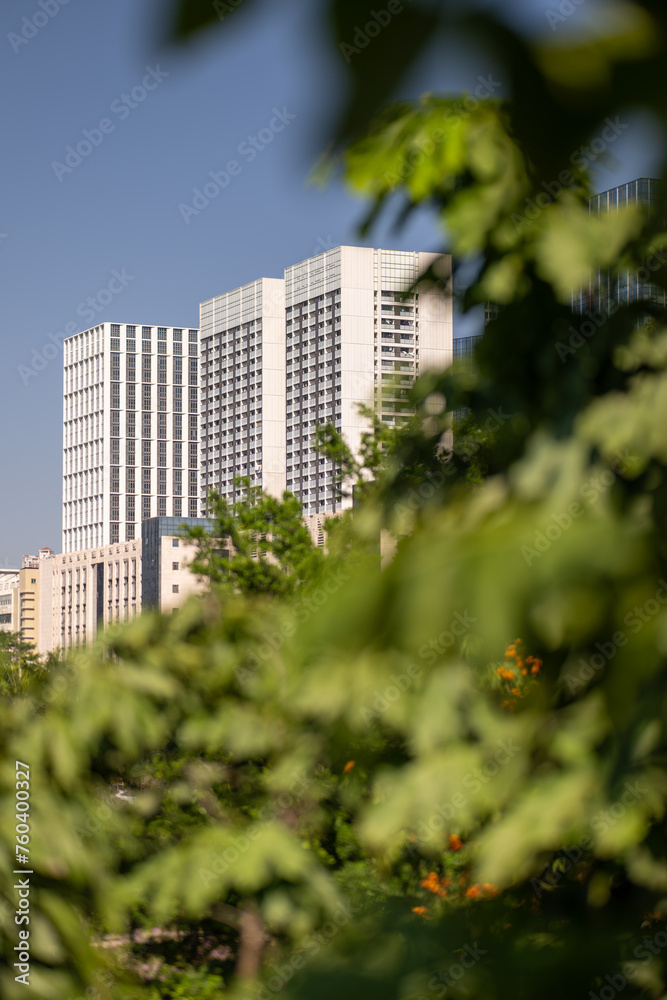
point(353, 337)
point(281, 356)
point(131, 431)
point(243, 389)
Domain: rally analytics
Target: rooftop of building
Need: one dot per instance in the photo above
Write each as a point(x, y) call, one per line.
point(162, 527)
point(153, 326)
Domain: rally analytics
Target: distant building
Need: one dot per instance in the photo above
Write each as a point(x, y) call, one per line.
point(90, 589)
point(79, 593)
point(9, 582)
point(464, 351)
point(131, 431)
point(243, 389)
point(29, 595)
point(627, 286)
point(20, 605)
point(643, 191)
point(280, 356)
point(166, 580)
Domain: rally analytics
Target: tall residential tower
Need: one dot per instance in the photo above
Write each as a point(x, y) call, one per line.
point(281, 356)
point(131, 431)
point(243, 389)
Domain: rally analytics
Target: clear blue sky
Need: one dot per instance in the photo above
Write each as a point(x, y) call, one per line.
point(119, 208)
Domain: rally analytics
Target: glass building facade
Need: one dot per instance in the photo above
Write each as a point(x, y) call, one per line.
point(464, 351)
point(625, 286)
point(153, 531)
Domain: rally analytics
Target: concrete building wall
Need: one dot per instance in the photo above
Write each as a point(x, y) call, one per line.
point(273, 386)
point(177, 582)
point(28, 600)
point(436, 318)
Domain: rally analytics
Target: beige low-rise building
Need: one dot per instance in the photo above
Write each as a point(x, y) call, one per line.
point(77, 593)
point(88, 589)
point(20, 597)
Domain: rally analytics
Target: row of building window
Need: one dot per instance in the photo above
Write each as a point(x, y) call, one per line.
point(160, 423)
point(192, 396)
point(147, 480)
point(178, 509)
point(146, 333)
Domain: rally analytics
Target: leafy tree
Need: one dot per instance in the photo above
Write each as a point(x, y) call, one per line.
point(257, 545)
point(18, 663)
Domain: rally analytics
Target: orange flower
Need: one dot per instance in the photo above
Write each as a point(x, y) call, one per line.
point(348, 767)
point(536, 667)
point(435, 885)
point(516, 692)
point(419, 910)
point(473, 892)
point(505, 673)
point(489, 889)
point(455, 842)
